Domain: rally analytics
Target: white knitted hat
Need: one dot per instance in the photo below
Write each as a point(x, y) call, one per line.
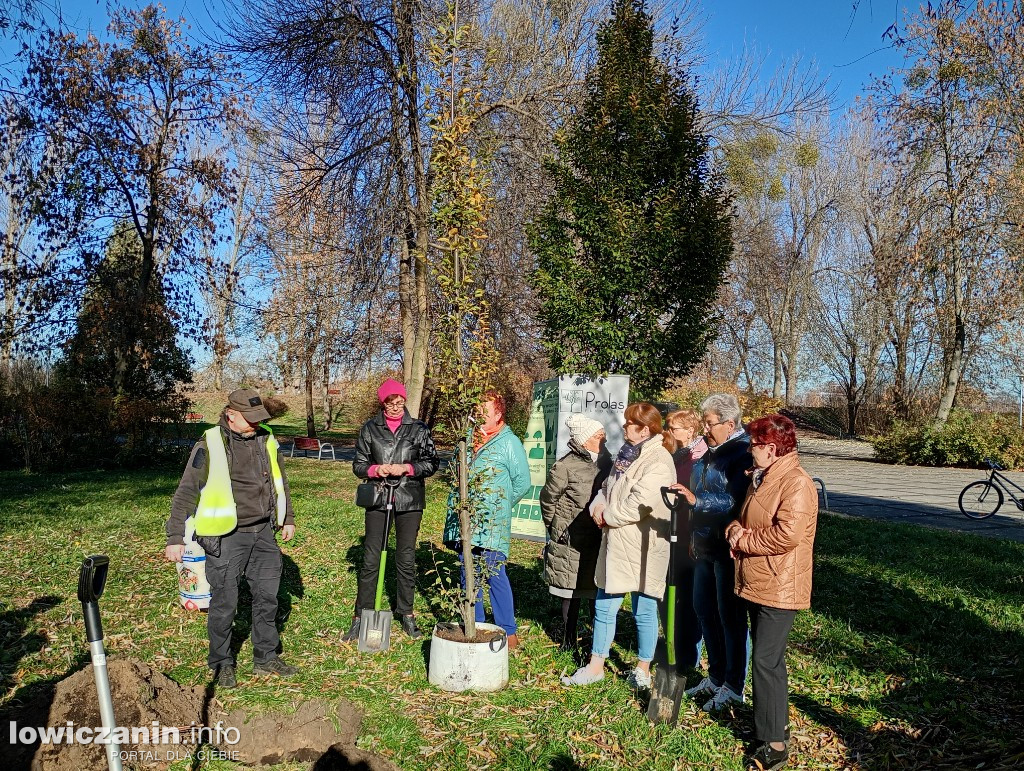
point(581, 428)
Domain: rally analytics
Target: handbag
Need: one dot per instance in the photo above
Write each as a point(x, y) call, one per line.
point(366, 495)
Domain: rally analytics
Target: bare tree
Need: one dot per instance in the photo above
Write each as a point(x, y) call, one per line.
point(226, 266)
point(938, 121)
point(738, 99)
point(320, 281)
point(130, 114)
point(367, 61)
point(848, 317)
point(787, 193)
point(28, 248)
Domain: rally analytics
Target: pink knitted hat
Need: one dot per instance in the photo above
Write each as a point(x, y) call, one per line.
point(390, 387)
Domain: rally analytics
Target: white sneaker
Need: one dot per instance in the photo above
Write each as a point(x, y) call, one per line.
point(704, 686)
point(639, 680)
point(582, 676)
point(723, 697)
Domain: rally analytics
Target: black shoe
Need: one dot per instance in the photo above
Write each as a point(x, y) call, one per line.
point(225, 675)
point(765, 758)
point(408, 626)
point(353, 631)
point(274, 667)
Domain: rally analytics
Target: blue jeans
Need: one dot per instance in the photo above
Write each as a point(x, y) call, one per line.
point(498, 587)
point(645, 611)
point(723, 620)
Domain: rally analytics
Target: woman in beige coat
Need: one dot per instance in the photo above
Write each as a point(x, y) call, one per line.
point(772, 543)
point(634, 524)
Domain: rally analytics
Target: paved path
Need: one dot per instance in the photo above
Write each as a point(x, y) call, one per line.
point(917, 494)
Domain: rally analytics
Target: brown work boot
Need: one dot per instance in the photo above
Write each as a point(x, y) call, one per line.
point(513, 641)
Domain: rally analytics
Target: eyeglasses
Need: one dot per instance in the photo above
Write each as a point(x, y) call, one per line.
point(712, 425)
point(762, 444)
point(397, 403)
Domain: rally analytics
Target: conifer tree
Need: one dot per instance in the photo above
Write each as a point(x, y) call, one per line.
point(635, 239)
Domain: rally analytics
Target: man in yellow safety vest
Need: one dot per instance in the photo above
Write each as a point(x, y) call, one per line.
point(235, 488)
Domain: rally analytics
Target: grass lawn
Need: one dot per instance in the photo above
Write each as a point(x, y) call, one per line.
point(911, 658)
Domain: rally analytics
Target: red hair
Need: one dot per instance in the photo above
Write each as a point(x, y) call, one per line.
point(646, 414)
point(774, 429)
point(497, 398)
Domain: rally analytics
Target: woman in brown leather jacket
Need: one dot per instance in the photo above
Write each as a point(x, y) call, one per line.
point(772, 543)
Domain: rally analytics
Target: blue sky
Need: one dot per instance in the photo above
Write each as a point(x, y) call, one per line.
point(848, 47)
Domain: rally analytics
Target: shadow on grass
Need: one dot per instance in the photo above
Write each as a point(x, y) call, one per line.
point(949, 665)
point(430, 563)
point(951, 698)
point(920, 640)
point(988, 570)
point(564, 762)
point(15, 643)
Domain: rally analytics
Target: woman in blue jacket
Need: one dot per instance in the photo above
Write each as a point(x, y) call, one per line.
point(718, 485)
point(500, 460)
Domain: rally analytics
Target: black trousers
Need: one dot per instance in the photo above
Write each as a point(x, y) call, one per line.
point(723, 621)
point(769, 630)
point(257, 556)
point(407, 528)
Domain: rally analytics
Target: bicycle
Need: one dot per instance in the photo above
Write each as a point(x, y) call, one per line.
point(982, 499)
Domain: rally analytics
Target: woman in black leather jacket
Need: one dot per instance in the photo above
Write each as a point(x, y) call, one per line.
point(396, 446)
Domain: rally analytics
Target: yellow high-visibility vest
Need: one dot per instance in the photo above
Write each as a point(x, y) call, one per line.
point(217, 513)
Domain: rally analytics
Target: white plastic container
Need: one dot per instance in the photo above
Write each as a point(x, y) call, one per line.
point(462, 666)
point(193, 588)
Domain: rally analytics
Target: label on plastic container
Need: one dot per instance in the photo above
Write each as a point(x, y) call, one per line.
point(193, 588)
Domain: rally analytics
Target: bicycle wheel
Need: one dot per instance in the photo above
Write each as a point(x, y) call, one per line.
point(980, 500)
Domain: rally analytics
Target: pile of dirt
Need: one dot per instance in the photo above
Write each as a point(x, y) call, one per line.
point(317, 732)
point(141, 696)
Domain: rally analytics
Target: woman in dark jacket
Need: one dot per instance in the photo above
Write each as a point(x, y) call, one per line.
point(570, 555)
point(393, 445)
point(718, 485)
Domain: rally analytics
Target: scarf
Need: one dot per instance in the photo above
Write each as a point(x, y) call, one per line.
point(626, 455)
point(481, 436)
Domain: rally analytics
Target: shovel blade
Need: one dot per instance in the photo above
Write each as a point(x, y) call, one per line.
point(666, 696)
point(374, 630)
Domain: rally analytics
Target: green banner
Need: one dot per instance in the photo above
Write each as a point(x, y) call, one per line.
point(547, 438)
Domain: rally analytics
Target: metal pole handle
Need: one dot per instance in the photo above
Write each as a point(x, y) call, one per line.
point(92, 578)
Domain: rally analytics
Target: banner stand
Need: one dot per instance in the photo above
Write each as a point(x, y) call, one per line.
point(547, 439)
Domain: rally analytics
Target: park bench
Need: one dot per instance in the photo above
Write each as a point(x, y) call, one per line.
point(308, 445)
point(194, 417)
